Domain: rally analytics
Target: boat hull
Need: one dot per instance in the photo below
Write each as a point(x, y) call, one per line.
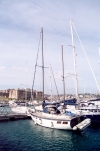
point(20, 110)
point(52, 123)
point(56, 122)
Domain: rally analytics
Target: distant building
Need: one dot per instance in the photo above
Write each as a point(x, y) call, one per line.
point(20, 94)
point(13, 94)
point(24, 94)
point(38, 95)
point(4, 95)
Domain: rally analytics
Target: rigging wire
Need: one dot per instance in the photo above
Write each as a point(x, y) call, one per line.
point(35, 67)
point(86, 58)
point(55, 84)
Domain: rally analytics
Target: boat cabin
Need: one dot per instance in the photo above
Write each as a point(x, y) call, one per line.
point(51, 109)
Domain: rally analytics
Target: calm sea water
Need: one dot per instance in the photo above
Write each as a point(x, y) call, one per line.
point(23, 135)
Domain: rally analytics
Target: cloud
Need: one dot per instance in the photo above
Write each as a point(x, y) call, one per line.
point(20, 26)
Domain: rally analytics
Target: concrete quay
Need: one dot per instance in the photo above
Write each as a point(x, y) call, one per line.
point(13, 117)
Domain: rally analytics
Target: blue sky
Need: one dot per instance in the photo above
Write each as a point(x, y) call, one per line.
point(20, 26)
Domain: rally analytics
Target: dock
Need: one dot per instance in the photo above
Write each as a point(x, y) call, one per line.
point(13, 117)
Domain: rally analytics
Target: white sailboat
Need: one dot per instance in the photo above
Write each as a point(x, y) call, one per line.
point(18, 107)
point(51, 117)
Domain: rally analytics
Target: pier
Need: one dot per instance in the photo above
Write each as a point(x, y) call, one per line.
point(6, 114)
point(13, 117)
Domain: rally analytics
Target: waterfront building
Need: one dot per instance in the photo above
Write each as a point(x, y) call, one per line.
point(24, 94)
point(4, 95)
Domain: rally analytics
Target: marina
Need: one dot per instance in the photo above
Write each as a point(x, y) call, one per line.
point(49, 75)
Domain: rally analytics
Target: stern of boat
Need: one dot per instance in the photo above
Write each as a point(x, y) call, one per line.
point(79, 123)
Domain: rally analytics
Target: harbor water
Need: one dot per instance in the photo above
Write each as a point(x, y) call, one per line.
point(24, 135)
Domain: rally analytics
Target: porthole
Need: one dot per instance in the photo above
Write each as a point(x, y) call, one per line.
point(65, 122)
point(58, 122)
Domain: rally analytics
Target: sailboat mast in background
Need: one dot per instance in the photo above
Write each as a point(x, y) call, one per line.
point(63, 73)
point(42, 65)
point(74, 56)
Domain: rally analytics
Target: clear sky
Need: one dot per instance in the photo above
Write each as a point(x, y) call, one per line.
point(20, 26)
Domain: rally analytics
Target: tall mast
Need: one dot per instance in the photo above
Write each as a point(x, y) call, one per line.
point(26, 83)
point(74, 56)
point(42, 64)
point(63, 73)
point(50, 85)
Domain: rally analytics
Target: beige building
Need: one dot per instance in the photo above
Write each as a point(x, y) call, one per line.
point(20, 94)
point(39, 95)
point(24, 94)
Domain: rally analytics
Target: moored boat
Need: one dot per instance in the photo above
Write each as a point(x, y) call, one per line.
point(20, 107)
point(51, 117)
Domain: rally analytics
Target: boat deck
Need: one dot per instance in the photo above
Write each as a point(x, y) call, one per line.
point(52, 116)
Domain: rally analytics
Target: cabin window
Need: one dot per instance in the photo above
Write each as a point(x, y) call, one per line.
point(65, 122)
point(95, 110)
point(58, 122)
